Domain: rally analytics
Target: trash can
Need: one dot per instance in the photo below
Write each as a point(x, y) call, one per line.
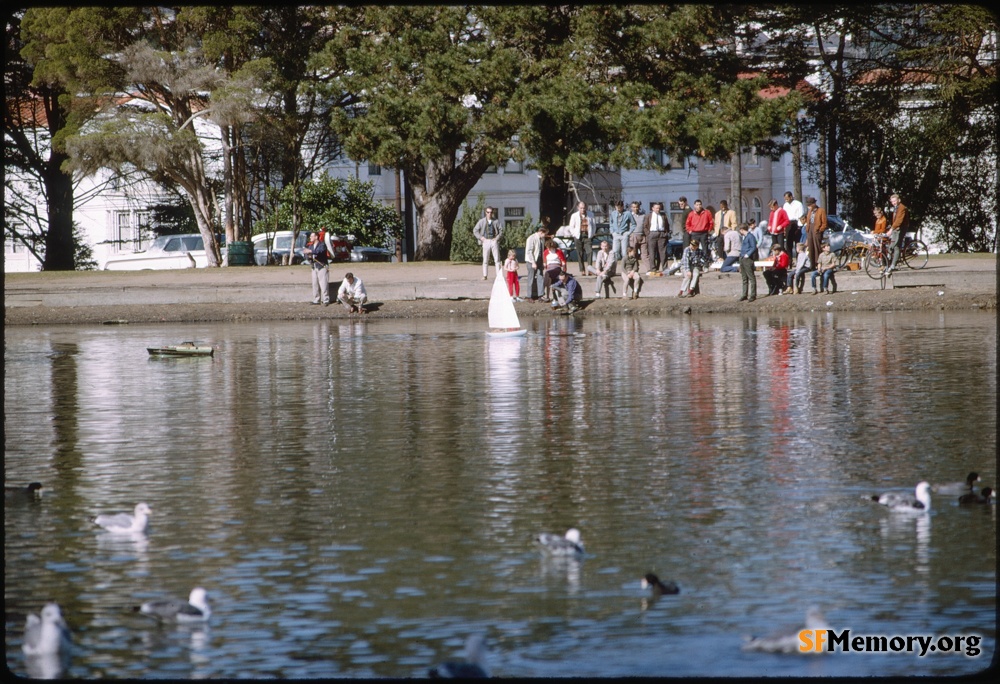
point(241, 254)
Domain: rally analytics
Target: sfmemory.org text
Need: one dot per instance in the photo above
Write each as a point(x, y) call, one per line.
point(818, 640)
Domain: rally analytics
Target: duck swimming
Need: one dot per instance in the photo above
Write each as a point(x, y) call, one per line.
point(658, 586)
point(474, 666)
point(904, 503)
point(554, 545)
point(196, 609)
point(786, 641)
point(957, 487)
point(972, 498)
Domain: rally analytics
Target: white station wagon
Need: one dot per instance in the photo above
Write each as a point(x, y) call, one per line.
point(165, 252)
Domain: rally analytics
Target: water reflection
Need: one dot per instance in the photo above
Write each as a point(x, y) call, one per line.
point(358, 497)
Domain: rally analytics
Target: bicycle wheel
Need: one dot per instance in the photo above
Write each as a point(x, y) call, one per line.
point(875, 264)
point(916, 255)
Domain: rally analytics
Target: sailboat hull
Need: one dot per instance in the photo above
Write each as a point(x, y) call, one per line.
point(507, 333)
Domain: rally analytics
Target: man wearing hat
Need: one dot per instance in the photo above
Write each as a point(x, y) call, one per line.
point(815, 225)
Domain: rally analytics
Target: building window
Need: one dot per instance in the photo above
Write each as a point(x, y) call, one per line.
point(757, 210)
point(513, 216)
point(374, 169)
point(753, 159)
point(128, 230)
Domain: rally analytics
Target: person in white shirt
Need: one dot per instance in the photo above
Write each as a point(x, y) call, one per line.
point(605, 268)
point(582, 227)
point(352, 294)
point(795, 211)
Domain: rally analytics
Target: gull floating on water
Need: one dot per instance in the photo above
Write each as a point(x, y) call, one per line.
point(474, 666)
point(124, 522)
point(904, 503)
point(658, 586)
point(47, 635)
point(957, 487)
point(786, 641)
point(554, 545)
point(973, 498)
point(195, 609)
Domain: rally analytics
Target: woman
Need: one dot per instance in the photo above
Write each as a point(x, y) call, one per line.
point(554, 261)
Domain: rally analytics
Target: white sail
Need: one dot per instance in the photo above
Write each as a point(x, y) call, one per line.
point(502, 314)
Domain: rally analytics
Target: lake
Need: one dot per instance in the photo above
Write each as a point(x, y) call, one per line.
point(359, 497)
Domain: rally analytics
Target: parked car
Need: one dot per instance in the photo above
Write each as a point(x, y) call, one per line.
point(165, 252)
point(281, 245)
point(359, 253)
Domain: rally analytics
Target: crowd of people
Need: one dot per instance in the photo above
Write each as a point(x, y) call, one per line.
point(690, 242)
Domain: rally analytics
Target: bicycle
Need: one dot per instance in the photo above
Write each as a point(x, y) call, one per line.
point(914, 255)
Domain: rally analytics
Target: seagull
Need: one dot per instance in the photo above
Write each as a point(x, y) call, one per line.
point(196, 608)
point(659, 587)
point(786, 641)
point(554, 545)
point(904, 503)
point(47, 635)
point(474, 666)
point(32, 491)
point(973, 498)
point(123, 522)
point(957, 487)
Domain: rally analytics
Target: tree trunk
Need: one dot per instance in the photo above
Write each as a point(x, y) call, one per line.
point(439, 188)
point(59, 252)
point(736, 184)
point(552, 193)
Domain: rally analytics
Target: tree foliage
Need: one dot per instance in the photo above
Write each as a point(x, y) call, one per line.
point(344, 206)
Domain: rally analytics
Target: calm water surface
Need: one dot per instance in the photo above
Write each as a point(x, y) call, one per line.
point(357, 498)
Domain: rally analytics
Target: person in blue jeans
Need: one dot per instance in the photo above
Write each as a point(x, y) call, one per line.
point(826, 265)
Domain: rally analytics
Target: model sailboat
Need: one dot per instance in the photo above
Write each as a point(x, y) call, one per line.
point(502, 316)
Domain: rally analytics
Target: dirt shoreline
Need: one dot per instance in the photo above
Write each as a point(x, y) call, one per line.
point(920, 299)
point(436, 290)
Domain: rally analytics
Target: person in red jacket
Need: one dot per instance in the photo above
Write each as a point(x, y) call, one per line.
point(699, 225)
point(776, 274)
point(777, 223)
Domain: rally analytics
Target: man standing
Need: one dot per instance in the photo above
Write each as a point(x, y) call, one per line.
point(897, 231)
point(678, 224)
point(533, 248)
point(699, 226)
point(582, 226)
point(777, 225)
point(815, 225)
point(621, 225)
point(795, 212)
point(319, 259)
point(748, 251)
point(654, 227)
point(637, 239)
point(488, 231)
point(352, 294)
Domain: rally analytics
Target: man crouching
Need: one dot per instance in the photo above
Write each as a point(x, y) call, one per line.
point(352, 294)
point(567, 293)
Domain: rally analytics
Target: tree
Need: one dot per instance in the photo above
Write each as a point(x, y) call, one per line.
point(436, 89)
point(343, 206)
point(52, 53)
